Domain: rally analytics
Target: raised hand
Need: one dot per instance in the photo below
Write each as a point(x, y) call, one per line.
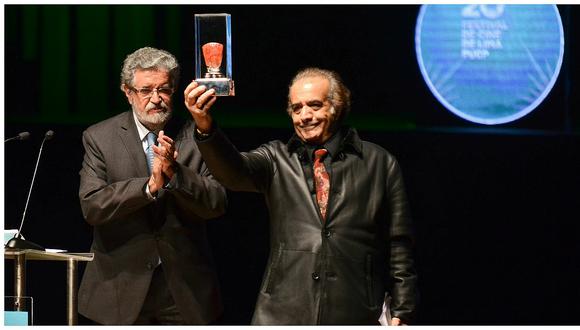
point(199, 100)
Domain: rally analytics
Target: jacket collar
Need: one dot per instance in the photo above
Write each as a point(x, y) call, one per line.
point(351, 142)
point(173, 128)
point(130, 137)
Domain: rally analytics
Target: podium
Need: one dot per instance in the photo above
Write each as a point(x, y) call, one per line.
point(21, 256)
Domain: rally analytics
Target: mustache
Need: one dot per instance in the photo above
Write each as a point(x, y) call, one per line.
point(152, 106)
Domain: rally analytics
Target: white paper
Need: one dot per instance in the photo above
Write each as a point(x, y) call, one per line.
point(54, 250)
point(385, 318)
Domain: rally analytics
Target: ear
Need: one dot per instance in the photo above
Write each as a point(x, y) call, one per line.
point(127, 91)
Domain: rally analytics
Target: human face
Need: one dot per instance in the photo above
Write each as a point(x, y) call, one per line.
point(153, 111)
point(311, 110)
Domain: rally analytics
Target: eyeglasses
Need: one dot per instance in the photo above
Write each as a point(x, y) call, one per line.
point(146, 93)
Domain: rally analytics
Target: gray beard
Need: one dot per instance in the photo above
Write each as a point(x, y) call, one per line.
point(154, 121)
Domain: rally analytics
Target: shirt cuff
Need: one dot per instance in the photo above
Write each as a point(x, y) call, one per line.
point(148, 193)
point(200, 136)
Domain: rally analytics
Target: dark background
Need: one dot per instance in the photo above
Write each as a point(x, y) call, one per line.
point(495, 208)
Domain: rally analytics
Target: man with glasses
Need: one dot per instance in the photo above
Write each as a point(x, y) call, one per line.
point(146, 192)
point(341, 235)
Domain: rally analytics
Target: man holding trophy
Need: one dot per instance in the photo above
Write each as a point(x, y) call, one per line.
point(340, 233)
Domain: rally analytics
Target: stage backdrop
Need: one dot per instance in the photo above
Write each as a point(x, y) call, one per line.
point(495, 208)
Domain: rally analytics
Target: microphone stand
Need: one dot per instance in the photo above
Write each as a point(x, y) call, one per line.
point(18, 242)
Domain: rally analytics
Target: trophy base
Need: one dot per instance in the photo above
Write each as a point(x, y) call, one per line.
point(222, 86)
point(214, 75)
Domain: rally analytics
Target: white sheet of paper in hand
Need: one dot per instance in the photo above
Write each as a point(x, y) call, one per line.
point(385, 318)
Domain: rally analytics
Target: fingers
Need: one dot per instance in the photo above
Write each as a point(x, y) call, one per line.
point(165, 157)
point(163, 153)
point(197, 96)
point(165, 141)
point(189, 88)
point(206, 100)
point(198, 101)
point(156, 180)
point(191, 95)
point(165, 148)
point(396, 321)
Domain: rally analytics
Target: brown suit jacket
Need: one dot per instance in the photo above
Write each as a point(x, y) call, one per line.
point(131, 233)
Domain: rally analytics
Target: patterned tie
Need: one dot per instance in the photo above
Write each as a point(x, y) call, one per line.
point(151, 138)
point(321, 181)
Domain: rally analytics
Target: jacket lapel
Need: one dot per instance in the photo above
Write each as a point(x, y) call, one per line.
point(130, 138)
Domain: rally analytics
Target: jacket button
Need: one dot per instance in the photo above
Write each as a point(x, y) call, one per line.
point(327, 233)
point(315, 276)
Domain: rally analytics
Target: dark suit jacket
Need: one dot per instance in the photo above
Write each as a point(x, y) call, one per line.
point(332, 271)
point(131, 232)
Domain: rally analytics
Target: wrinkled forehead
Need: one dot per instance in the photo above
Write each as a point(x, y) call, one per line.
point(309, 88)
point(151, 76)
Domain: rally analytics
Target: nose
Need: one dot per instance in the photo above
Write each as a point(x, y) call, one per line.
point(155, 98)
point(306, 113)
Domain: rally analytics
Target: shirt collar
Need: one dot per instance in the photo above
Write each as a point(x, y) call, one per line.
point(332, 145)
point(345, 139)
point(143, 131)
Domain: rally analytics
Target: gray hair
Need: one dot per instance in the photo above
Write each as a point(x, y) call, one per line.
point(148, 58)
point(338, 93)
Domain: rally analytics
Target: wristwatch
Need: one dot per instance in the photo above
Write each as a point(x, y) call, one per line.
point(200, 135)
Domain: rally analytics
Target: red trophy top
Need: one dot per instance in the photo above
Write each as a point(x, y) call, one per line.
point(213, 53)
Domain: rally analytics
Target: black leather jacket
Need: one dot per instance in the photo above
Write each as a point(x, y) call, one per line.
point(332, 273)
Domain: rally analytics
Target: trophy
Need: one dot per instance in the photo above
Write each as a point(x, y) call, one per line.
point(213, 53)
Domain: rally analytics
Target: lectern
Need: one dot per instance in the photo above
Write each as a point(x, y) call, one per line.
point(21, 256)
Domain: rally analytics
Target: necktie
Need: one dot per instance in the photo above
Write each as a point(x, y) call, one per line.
point(151, 137)
point(321, 181)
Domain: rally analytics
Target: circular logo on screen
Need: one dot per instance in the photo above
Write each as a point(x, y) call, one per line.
point(490, 64)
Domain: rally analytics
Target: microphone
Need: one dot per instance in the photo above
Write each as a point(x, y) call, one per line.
point(20, 136)
point(18, 242)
